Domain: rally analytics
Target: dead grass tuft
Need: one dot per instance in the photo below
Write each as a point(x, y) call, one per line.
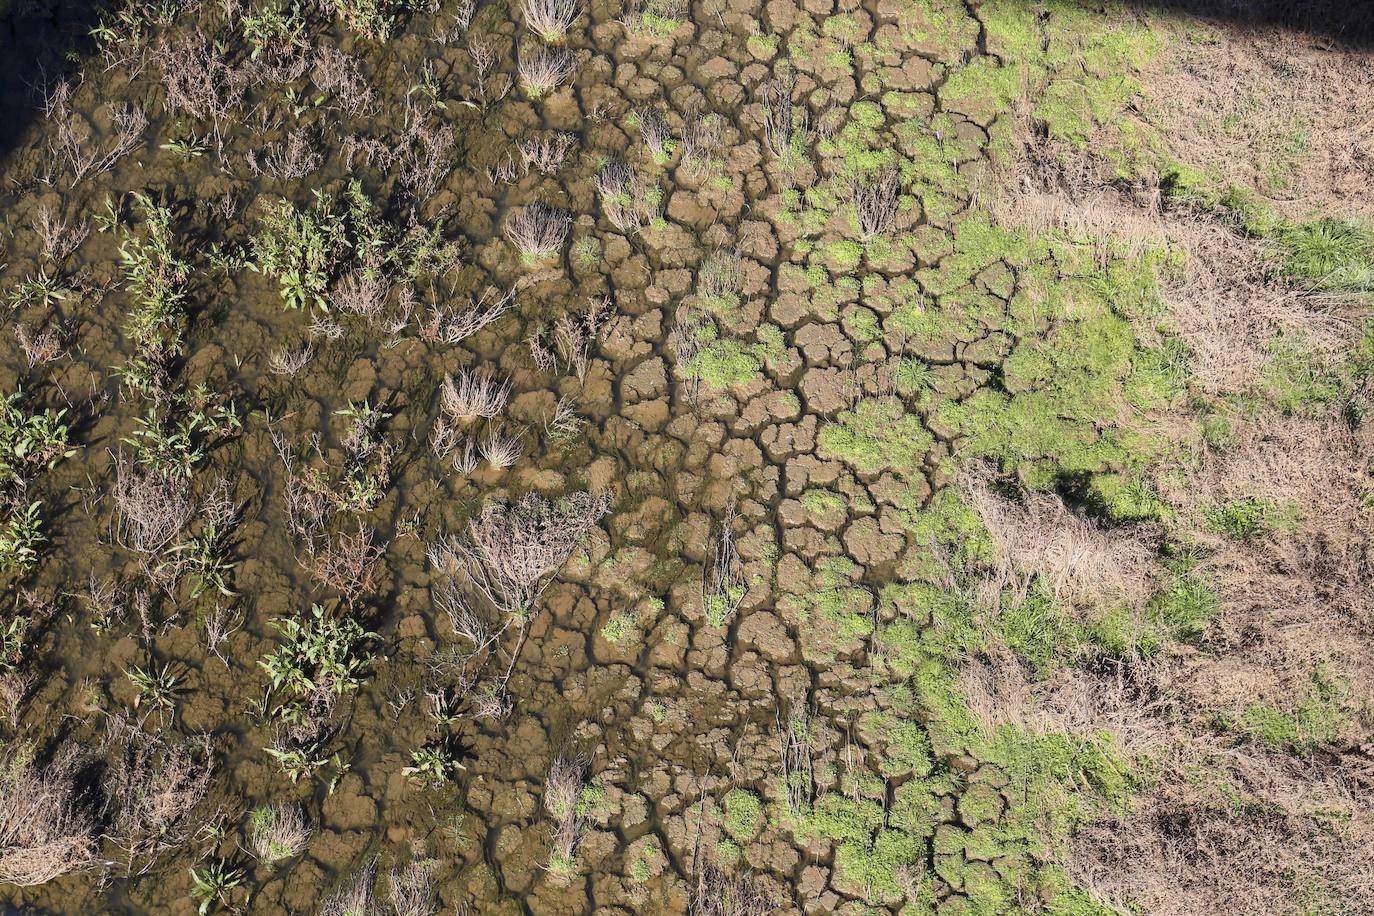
point(1038, 537)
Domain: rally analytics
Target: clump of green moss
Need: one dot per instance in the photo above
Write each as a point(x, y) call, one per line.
point(877, 435)
point(743, 815)
point(1315, 721)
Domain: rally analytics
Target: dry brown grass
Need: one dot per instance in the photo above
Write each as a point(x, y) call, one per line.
point(1236, 832)
point(1273, 109)
point(1296, 596)
point(1038, 537)
point(47, 828)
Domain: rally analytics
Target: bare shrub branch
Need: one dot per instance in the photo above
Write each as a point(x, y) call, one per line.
point(510, 551)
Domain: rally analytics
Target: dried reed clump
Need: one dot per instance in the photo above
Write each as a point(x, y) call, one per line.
point(47, 828)
point(510, 550)
point(623, 196)
point(725, 892)
point(537, 231)
point(703, 145)
point(1039, 538)
point(473, 395)
point(500, 450)
point(784, 123)
point(288, 362)
point(411, 889)
point(279, 832)
point(362, 293)
point(562, 794)
point(549, 19)
point(653, 130)
point(355, 898)
point(544, 69)
point(545, 153)
point(875, 204)
point(151, 509)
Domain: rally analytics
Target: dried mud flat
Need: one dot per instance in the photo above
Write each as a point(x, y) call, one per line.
point(727, 459)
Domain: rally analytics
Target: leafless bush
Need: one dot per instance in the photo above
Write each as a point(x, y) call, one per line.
point(537, 231)
point(722, 892)
point(653, 130)
point(362, 293)
point(14, 687)
point(549, 19)
point(703, 145)
point(342, 75)
point(196, 78)
point(499, 450)
point(289, 362)
point(151, 509)
point(454, 324)
point(38, 349)
point(465, 620)
point(411, 889)
point(152, 789)
point(483, 54)
point(279, 832)
point(546, 152)
point(354, 898)
point(425, 156)
point(473, 395)
point(347, 563)
point(47, 829)
point(58, 238)
point(296, 158)
point(511, 550)
point(574, 336)
point(875, 204)
point(74, 146)
point(544, 69)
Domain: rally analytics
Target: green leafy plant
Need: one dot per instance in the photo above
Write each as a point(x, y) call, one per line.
point(156, 685)
point(323, 650)
point(436, 763)
point(212, 884)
